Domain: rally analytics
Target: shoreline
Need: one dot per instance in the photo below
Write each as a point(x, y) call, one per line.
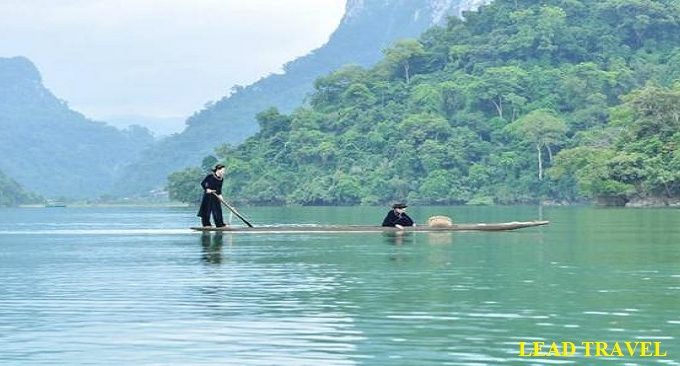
point(107, 205)
point(631, 205)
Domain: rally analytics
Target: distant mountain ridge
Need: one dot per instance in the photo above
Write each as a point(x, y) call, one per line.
point(49, 148)
point(368, 27)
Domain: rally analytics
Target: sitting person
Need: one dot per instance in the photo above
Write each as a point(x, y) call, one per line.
point(397, 217)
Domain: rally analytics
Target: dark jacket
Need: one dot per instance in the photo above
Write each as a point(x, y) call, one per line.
point(211, 181)
point(393, 219)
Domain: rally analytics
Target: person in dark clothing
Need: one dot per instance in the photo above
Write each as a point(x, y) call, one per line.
point(212, 196)
point(397, 217)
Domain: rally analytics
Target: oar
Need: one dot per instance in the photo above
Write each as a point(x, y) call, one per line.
point(233, 210)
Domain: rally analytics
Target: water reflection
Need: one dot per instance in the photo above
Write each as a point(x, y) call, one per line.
point(404, 237)
point(399, 237)
point(212, 244)
point(440, 238)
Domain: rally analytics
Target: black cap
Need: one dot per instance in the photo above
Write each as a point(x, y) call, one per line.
point(218, 167)
point(399, 205)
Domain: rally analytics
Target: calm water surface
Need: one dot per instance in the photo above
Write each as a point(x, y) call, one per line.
point(132, 286)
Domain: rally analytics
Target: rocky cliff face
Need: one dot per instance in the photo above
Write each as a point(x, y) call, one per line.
point(368, 27)
point(435, 11)
point(385, 21)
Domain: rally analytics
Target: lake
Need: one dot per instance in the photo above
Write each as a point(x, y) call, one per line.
point(133, 286)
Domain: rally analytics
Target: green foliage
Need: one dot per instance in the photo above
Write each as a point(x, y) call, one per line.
point(12, 194)
point(208, 162)
point(476, 112)
point(642, 160)
point(542, 129)
point(593, 170)
point(402, 57)
point(184, 185)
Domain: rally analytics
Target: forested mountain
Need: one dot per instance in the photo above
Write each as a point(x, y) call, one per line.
point(523, 101)
point(51, 149)
point(368, 27)
point(12, 194)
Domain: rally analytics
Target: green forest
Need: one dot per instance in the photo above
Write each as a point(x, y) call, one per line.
point(521, 102)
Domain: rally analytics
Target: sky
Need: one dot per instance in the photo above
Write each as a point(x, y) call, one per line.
point(160, 59)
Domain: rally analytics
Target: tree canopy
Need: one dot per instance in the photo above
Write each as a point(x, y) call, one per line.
point(522, 101)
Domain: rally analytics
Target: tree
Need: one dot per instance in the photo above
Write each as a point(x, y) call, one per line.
point(402, 55)
point(437, 186)
point(656, 111)
point(594, 170)
point(272, 122)
point(184, 185)
point(639, 20)
point(427, 98)
point(208, 162)
point(499, 85)
point(358, 94)
point(542, 129)
point(425, 126)
point(329, 88)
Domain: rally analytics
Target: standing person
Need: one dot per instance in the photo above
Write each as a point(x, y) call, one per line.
point(397, 217)
point(212, 197)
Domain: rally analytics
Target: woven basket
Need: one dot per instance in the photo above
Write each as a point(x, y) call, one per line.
point(439, 221)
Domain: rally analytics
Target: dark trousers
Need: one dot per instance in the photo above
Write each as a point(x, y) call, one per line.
point(210, 205)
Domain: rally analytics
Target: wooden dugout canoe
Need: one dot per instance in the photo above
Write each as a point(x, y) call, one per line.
point(503, 226)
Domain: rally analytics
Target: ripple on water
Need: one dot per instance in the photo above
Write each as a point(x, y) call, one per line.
point(141, 291)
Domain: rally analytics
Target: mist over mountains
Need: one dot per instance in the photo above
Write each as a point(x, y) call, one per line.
point(52, 150)
point(159, 126)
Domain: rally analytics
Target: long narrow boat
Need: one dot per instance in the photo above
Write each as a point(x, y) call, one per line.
point(503, 226)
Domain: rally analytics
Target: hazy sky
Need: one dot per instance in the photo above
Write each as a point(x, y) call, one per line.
point(159, 57)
